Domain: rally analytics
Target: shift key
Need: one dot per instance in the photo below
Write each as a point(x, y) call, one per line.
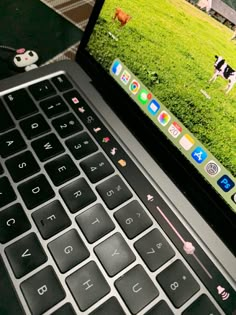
point(8, 294)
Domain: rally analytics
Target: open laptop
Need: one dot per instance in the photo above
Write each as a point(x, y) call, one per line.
point(117, 185)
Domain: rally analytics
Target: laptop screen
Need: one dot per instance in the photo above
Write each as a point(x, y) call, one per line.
point(176, 60)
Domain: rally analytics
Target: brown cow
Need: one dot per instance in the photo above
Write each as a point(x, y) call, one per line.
point(121, 16)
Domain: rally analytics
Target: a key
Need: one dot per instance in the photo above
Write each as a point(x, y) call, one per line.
point(42, 90)
point(11, 143)
point(68, 250)
point(20, 104)
point(9, 302)
point(114, 254)
point(47, 147)
point(77, 195)
point(67, 125)
point(114, 192)
point(25, 255)
point(61, 170)
point(202, 305)
point(81, 145)
point(66, 309)
point(62, 83)
point(6, 122)
point(136, 289)
point(95, 223)
point(22, 166)
point(51, 219)
point(112, 306)
point(97, 167)
point(154, 249)
point(53, 106)
point(161, 308)
point(42, 291)
point(7, 193)
point(178, 283)
point(133, 219)
point(34, 126)
point(36, 191)
point(87, 285)
point(13, 222)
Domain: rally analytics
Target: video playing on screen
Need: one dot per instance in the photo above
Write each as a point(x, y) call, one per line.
point(185, 53)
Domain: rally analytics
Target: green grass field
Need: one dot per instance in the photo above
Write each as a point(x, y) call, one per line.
point(170, 45)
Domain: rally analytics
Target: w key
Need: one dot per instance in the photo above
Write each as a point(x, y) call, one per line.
point(47, 147)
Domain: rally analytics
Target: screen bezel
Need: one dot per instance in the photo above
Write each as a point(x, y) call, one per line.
point(203, 197)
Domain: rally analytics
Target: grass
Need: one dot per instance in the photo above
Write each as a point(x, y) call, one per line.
point(171, 46)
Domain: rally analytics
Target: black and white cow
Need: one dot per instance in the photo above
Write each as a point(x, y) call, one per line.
point(225, 71)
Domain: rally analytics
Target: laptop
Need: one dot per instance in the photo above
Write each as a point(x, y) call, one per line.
point(117, 177)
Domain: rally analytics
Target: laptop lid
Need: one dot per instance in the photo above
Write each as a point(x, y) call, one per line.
point(163, 66)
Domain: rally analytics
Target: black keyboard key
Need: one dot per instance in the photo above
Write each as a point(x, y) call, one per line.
point(20, 104)
point(133, 219)
point(7, 193)
point(95, 223)
point(54, 106)
point(42, 90)
point(47, 147)
point(13, 222)
point(66, 309)
point(42, 291)
point(22, 166)
point(11, 143)
point(25, 255)
point(154, 249)
point(110, 307)
point(161, 308)
point(34, 126)
point(114, 254)
point(202, 305)
point(68, 250)
point(6, 122)
point(87, 285)
point(77, 195)
point(97, 167)
point(51, 219)
point(114, 192)
point(137, 289)
point(61, 170)
point(62, 83)
point(36, 191)
point(178, 283)
point(67, 125)
point(81, 145)
point(9, 302)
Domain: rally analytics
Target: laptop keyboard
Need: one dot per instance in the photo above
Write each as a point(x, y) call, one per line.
point(82, 229)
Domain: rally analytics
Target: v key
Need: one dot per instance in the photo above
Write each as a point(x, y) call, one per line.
point(28, 248)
